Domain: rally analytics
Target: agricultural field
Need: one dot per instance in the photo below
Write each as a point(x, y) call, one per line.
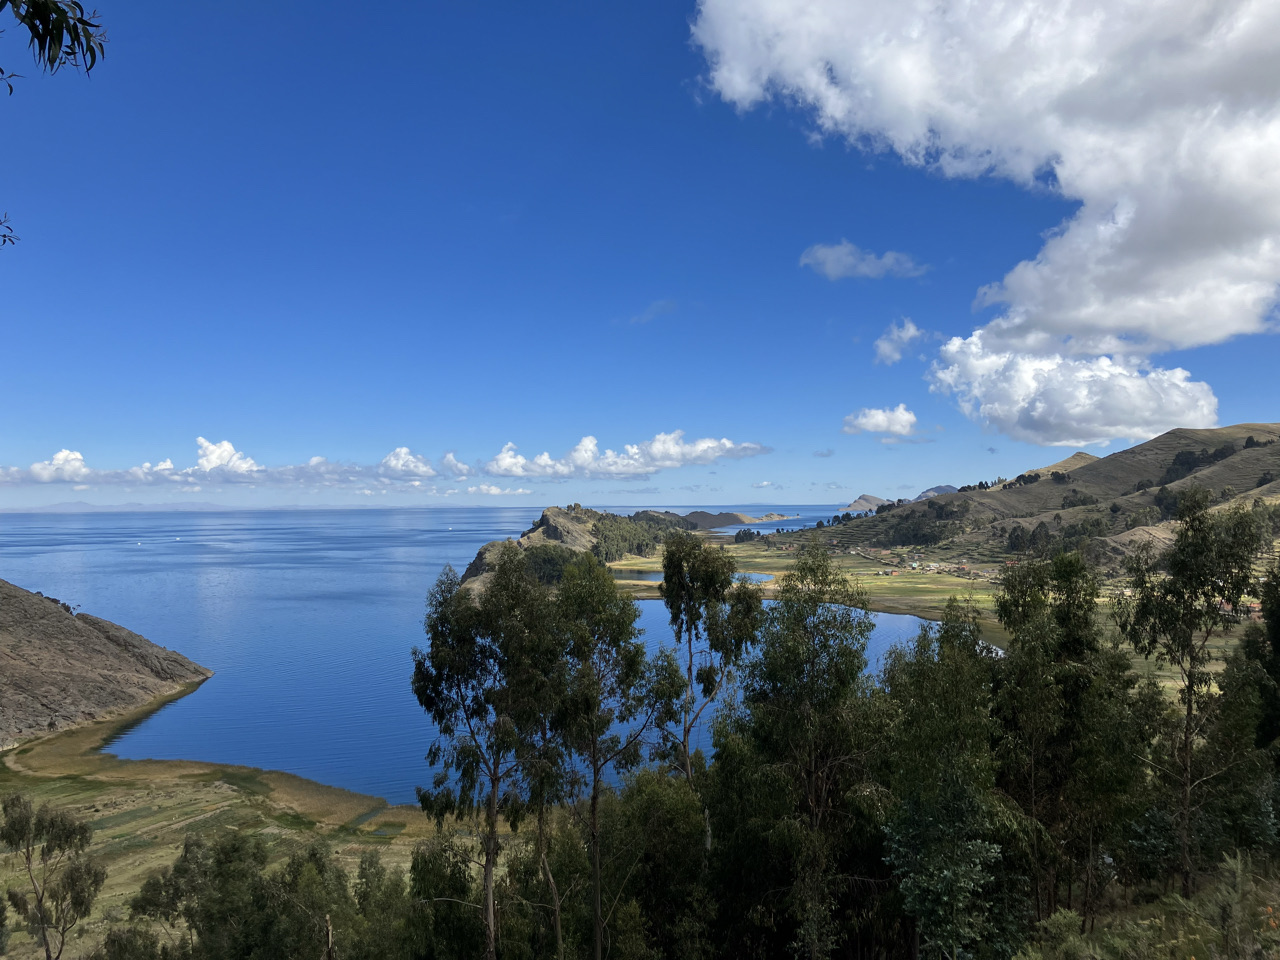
point(142, 810)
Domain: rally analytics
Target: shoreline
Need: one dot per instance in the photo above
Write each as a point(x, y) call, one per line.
point(142, 811)
point(915, 594)
point(84, 751)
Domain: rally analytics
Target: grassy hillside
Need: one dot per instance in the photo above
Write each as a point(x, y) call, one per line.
point(1105, 505)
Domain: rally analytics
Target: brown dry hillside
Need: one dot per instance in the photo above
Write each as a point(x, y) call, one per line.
point(1108, 502)
point(1074, 462)
point(59, 668)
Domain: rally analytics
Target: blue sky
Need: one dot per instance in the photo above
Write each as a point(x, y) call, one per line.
point(464, 228)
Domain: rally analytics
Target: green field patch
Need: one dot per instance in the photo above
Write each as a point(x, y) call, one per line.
point(293, 821)
point(127, 843)
point(120, 819)
point(355, 823)
point(388, 830)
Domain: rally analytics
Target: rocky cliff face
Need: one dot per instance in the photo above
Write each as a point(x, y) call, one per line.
point(58, 668)
point(567, 528)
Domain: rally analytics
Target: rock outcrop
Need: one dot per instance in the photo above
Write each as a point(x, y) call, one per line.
point(59, 668)
point(866, 503)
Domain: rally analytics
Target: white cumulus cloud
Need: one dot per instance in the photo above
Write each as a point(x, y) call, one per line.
point(67, 466)
point(838, 260)
point(221, 463)
point(404, 463)
point(455, 467)
point(665, 451)
point(1160, 117)
point(223, 456)
point(894, 340)
point(1064, 401)
point(899, 421)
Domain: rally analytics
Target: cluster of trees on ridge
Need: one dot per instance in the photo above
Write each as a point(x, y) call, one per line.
point(640, 535)
point(958, 802)
point(1045, 540)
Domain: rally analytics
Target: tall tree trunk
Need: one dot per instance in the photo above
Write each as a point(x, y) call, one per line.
point(555, 908)
point(686, 742)
point(490, 862)
point(1184, 819)
point(1086, 896)
point(551, 882)
point(1035, 845)
point(28, 854)
point(595, 860)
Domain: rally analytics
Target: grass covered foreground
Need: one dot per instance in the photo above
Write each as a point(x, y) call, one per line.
point(142, 810)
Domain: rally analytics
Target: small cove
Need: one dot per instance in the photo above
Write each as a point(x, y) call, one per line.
point(307, 617)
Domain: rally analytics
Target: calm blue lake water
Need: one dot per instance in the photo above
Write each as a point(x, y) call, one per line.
point(307, 617)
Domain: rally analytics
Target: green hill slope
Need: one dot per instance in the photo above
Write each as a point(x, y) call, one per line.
point(1106, 505)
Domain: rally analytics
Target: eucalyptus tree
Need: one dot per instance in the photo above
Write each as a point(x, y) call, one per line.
point(1261, 644)
point(212, 895)
point(1076, 723)
point(614, 695)
point(801, 746)
point(544, 763)
point(1178, 601)
point(486, 679)
point(59, 34)
point(944, 834)
point(62, 881)
point(714, 620)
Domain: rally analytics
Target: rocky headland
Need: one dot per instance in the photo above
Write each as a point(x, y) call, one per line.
point(581, 530)
point(59, 668)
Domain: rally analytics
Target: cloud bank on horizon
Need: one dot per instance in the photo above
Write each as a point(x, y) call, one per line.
point(1161, 118)
point(666, 451)
point(221, 463)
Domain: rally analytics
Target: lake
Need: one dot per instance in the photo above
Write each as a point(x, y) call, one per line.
point(307, 616)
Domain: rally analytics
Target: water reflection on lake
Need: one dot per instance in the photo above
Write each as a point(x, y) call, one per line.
point(649, 576)
point(655, 576)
